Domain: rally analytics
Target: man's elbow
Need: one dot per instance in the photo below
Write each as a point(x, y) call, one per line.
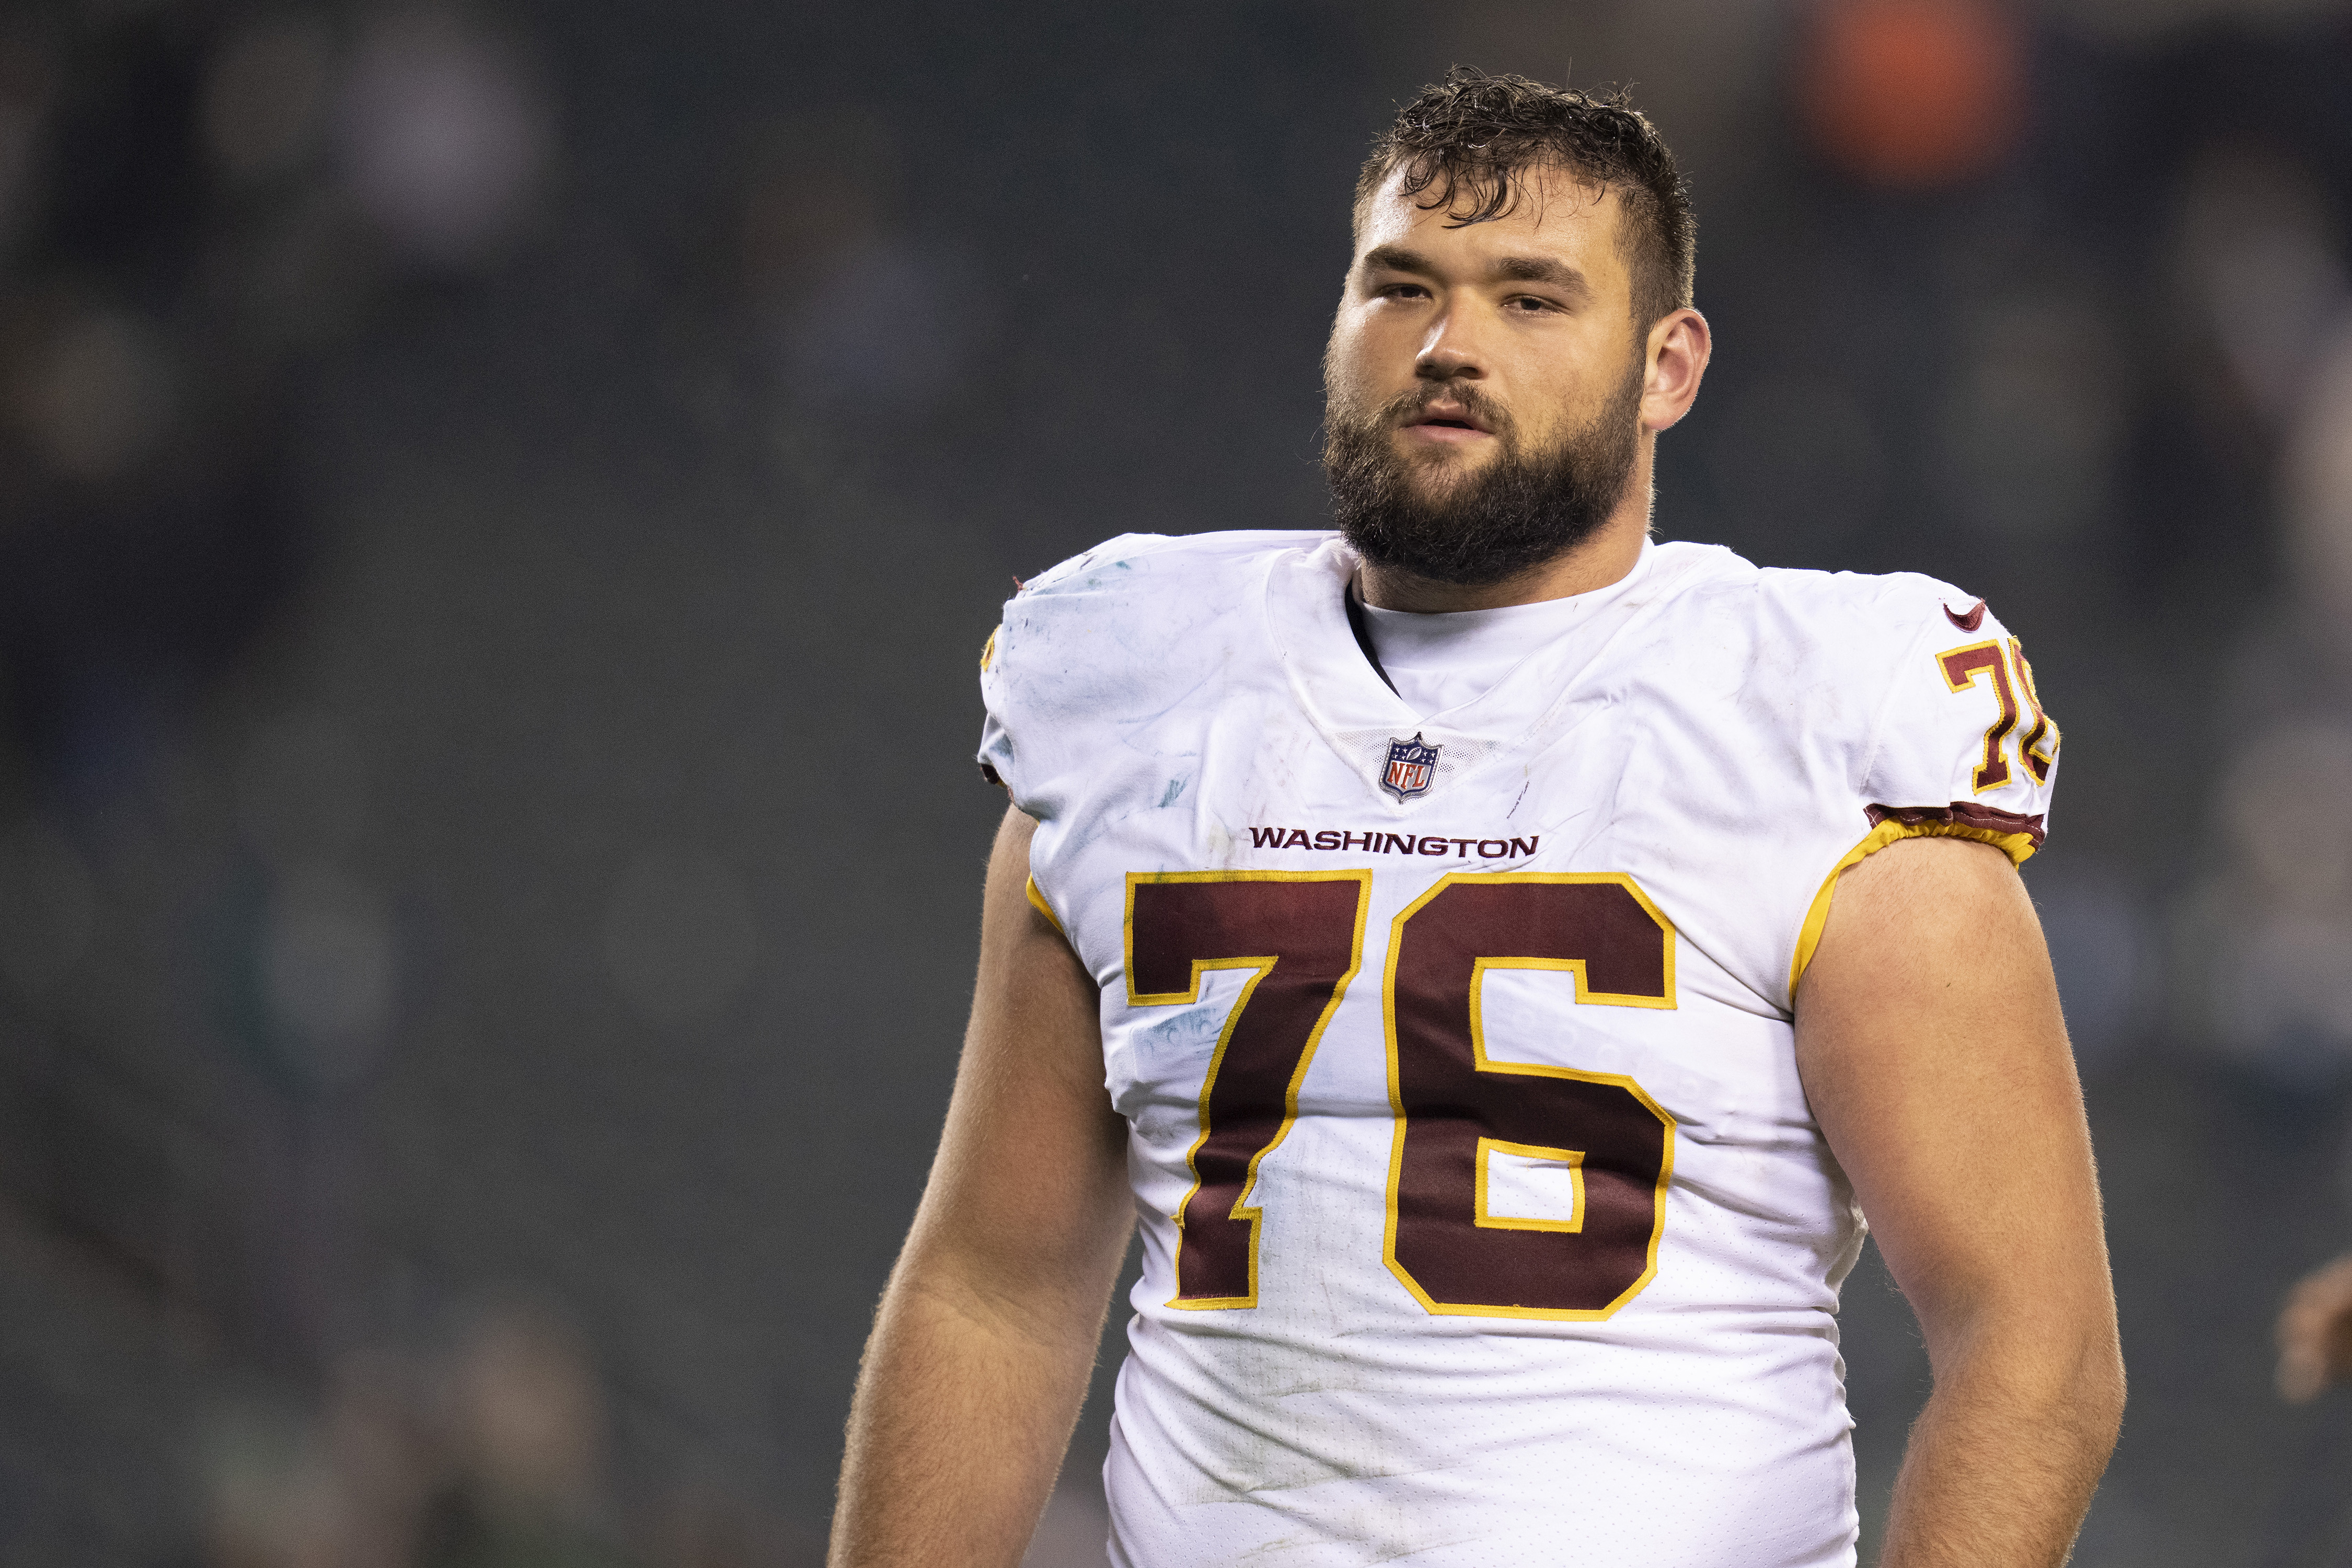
point(2099, 1392)
point(2079, 1390)
point(2060, 1372)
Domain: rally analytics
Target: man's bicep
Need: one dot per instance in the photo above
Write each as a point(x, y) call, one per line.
point(1030, 1172)
point(1933, 1051)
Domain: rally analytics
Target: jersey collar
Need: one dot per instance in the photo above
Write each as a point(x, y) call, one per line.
point(1305, 619)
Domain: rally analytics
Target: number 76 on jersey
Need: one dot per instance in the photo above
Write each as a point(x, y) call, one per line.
point(1455, 1106)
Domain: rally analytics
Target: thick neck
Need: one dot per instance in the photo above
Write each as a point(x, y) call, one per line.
point(1602, 558)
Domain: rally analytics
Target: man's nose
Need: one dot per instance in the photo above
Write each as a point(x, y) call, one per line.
point(1448, 355)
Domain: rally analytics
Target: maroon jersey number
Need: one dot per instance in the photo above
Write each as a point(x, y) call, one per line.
point(1457, 1107)
point(1961, 667)
point(1303, 933)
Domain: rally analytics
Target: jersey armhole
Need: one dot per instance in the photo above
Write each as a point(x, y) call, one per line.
point(1046, 909)
point(2014, 835)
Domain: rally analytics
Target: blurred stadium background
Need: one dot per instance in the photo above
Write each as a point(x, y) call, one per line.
point(498, 505)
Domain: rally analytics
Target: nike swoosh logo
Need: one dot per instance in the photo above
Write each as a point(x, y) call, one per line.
point(1970, 621)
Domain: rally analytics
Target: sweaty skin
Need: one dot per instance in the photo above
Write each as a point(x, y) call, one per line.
point(1534, 309)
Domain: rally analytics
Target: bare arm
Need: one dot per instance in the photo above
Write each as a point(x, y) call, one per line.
point(1931, 1046)
point(980, 1354)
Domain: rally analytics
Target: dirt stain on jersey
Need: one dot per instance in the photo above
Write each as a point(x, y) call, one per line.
point(1289, 1423)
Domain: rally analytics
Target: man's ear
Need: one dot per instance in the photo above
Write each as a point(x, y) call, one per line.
point(1679, 347)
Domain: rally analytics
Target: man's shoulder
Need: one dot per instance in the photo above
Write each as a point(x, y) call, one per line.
point(1157, 562)
point(1855, 614)
point(1716, 570)
point(1118, 626)
point(1894, 598)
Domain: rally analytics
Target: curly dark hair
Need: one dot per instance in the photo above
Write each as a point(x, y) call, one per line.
point(1469, 140)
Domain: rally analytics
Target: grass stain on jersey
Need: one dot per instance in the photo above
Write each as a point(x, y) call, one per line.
point(1175, 788)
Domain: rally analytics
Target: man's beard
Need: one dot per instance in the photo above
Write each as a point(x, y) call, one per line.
point(1526, 508)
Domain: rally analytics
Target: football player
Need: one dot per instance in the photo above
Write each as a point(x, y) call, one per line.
point(1499, 960)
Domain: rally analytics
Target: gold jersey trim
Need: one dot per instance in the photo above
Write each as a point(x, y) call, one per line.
point(2018, 844)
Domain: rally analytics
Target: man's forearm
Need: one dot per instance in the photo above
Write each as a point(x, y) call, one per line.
point(2002, 1463)
point(963, 1411)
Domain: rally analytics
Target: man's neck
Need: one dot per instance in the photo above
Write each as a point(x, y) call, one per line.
point(1603, 557)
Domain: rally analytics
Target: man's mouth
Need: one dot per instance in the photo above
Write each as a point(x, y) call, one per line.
point(1448, 423)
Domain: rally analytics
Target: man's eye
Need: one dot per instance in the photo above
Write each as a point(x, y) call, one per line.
point(1404, 291)
point(1530, 304)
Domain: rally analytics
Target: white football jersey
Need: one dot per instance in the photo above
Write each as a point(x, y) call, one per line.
point(1483, 1218)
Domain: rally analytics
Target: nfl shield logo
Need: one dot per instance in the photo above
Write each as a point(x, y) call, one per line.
point(1411, 765)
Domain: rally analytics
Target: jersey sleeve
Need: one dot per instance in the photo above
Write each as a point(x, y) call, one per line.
point(1961, 746)
point(1964, 746)
point(1048, 671)
point(1089, 653)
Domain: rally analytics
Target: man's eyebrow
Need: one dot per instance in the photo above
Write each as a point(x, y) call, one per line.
point(1397, 258)
point(1541, 270)
point(1506, 269)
